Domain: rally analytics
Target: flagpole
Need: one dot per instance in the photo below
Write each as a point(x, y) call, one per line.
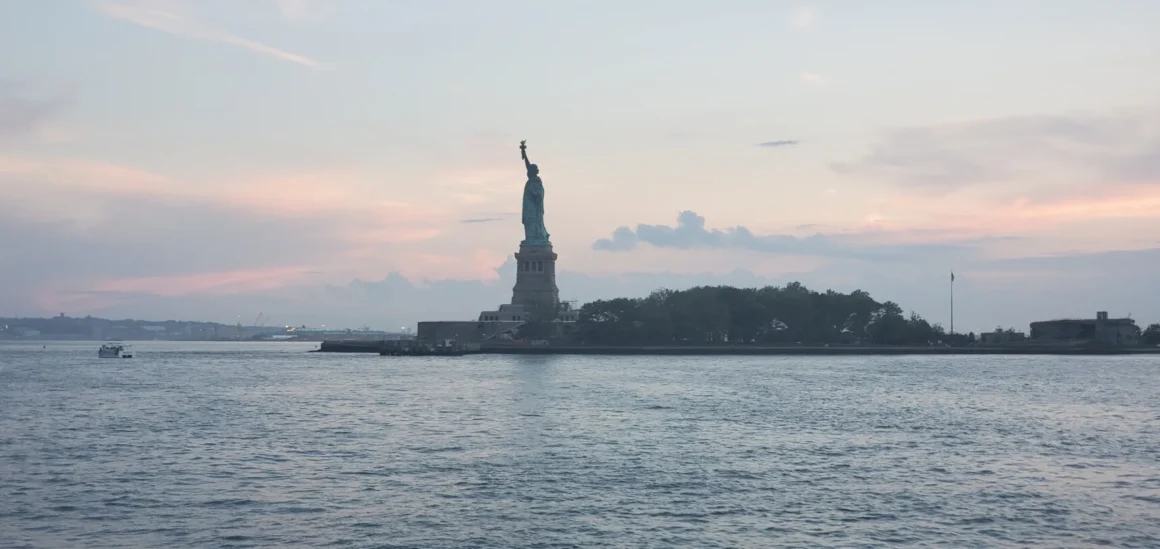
point(952, 303)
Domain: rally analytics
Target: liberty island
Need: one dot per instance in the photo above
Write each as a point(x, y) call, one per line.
point(535, 316)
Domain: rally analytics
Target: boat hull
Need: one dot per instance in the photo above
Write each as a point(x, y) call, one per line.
point(113, 351)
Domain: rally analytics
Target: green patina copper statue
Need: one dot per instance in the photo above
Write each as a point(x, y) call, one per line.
point(533, 213)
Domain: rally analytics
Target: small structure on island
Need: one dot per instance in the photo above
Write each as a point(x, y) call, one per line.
point(1101, 329)
point(1001, 337)
point(535, 296)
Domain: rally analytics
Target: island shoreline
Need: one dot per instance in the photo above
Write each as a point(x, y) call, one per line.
point(807, 351)
point(761, 350)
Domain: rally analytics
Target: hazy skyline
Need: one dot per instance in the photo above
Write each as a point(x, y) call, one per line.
point(214, 159)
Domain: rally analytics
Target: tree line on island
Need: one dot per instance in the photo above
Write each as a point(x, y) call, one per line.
point(791, 314)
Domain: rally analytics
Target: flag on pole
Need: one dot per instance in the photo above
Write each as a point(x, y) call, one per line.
point(952, 276)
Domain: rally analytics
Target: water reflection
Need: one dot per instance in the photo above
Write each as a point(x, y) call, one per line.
point(534, 375)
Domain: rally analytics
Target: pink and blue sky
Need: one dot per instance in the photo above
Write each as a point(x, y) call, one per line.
point(356, 162)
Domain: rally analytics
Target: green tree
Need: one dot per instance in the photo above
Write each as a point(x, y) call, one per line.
point(740, 316)
point(541, 322)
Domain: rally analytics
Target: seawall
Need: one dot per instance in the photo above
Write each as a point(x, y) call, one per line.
point(350, 346)
point(357, 346)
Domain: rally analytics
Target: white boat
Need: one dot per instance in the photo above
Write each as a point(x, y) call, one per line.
point(113, 351)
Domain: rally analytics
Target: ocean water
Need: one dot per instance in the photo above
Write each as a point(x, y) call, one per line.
point(265, 445)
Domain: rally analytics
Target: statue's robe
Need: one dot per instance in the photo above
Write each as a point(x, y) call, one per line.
point(533, 212)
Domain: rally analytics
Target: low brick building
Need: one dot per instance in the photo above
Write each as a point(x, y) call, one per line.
point(1113, 331)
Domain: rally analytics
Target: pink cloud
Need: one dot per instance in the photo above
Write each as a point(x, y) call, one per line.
point(88, 174)
point(479, 264)
point(482, 183)
point(111, 292)
point(347, 197)
point(1118, 216)
point(219, 283)
point(391, 235)
point(1140, 201)
point(319, 195)
point(980, 213)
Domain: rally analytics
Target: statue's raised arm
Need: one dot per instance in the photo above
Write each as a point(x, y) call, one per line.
point(524, 153)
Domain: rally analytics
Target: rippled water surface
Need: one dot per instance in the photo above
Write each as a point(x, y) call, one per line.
point(245, 445)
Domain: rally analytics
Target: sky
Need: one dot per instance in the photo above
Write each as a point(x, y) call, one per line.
point(356, 163)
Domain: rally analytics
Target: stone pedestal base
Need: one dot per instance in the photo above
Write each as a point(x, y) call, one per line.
point(536, 278)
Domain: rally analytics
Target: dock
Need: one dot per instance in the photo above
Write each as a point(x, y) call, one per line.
point(350, 346)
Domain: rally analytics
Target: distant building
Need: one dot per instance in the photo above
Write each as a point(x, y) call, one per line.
point(999, 337)
point(1114, 331)
point(505, 313)
point(509, 312)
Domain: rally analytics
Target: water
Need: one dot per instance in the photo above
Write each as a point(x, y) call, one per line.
point(248, 445)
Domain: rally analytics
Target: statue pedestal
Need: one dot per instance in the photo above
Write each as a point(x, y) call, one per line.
point(536, 277)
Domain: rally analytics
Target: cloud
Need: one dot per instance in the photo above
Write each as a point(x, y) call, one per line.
point(295, 10)
point(1098, 215)
point(21, 116)
point(334, 192)
point(802, 18)
point(167, 17)
point(1120, 147)
point(1135, 202)
point(480, 220)
point(86, 174)
point(148, 237)
point(690, 233)
point(622, 239)
point(221, 282)
point(93, 226)
point(781, 143)
point(50, 188)
point(813, 79)
point(183, 247)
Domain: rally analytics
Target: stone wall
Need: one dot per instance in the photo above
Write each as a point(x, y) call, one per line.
point(464, 332)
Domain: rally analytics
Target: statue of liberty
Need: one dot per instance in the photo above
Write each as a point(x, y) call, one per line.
point(533, 212)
